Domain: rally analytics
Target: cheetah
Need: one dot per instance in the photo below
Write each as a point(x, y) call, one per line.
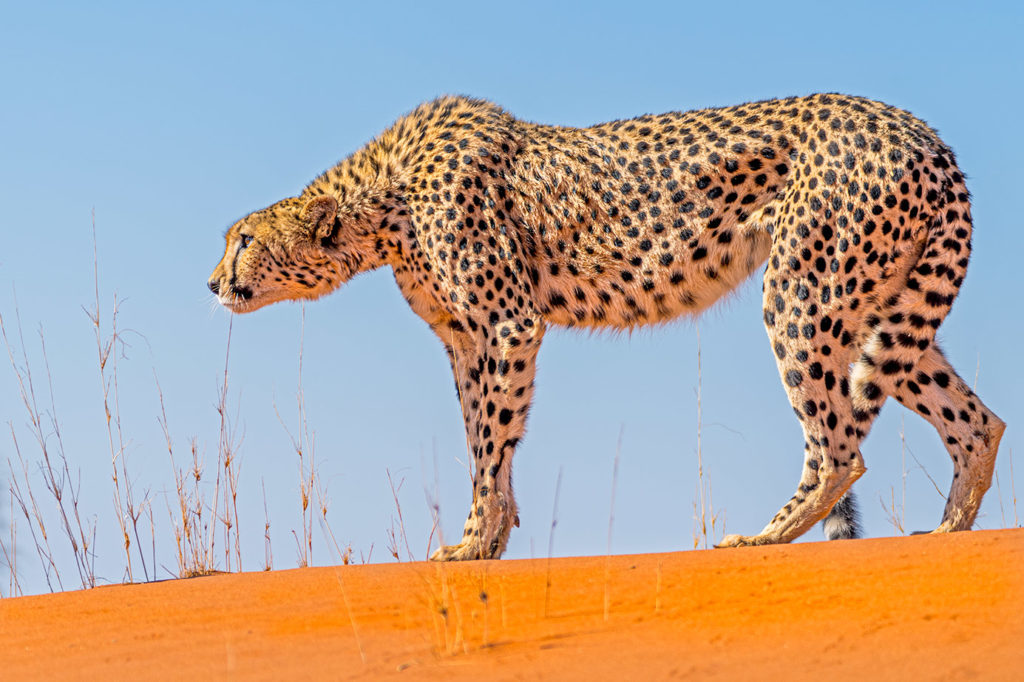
point(497, 229)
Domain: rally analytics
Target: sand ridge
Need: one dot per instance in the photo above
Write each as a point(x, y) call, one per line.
point(926, 607)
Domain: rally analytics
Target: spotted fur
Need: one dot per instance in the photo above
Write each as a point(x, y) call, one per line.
point(496, 229)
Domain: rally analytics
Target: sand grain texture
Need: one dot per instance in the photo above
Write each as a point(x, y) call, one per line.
point(949, 607)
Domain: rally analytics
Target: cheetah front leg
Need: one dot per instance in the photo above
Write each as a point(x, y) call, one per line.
point(494, 369)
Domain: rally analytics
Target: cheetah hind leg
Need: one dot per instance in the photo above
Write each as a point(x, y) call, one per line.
point(832, 430)
point(969, 429)
point(843, 521)
point(831, 466)
point(824, 485)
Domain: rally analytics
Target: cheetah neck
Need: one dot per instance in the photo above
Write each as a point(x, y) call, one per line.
point(363, 184)
point(367, 186)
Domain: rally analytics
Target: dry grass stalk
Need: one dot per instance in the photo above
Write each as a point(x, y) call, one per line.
point(54, 468)
point(229, 519)
point(323, 503)
point(551, 543)
point(227, 466)
point(10, 554)
point(1013, 490)
point(700, 504)
point(434, 503)
point(938, 490)
point(611, 522)
point(268, 552)
point(192, 532)
point(896, 514)
point(35, 520)
point(393, 548)
point(195, 519)
point(903, 477)
point(107, 351)
point(704, 514)
point(999, 491)
point(391, 541)
point(152, 536)
point(304, 446)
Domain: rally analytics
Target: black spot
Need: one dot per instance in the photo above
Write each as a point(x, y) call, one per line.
point(890, 367)
point(871, 391)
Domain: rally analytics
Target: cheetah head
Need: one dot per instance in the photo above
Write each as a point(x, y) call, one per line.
point(287, 251)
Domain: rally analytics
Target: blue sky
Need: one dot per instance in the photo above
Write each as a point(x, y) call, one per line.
point(171, 123)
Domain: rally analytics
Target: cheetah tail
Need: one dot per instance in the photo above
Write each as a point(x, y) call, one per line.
point(843, 522)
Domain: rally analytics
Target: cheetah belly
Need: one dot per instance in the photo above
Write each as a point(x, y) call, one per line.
point(663, 277)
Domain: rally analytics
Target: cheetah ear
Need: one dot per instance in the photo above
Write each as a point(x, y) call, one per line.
point(319, 214)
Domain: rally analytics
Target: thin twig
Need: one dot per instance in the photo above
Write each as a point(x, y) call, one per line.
point(55, 478)
point(303, 444)
point(999, 493)
point(611, 521)
point(921, 467)
point(323, 502)
point(401, 520)
point(701, 535)
point(11, 553)
point(104, 348)
point(35, 519)
point(551, 542)
point(226, 456)
point(268, 553)
point(1013, 490)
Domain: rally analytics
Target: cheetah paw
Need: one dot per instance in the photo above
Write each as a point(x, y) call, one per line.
point(467, 550)
point(473, 547)
point(743, 541)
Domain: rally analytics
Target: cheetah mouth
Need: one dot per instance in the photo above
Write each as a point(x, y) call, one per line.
point(240, 307)
point(246, 300)
point(237, 303)
point(237, 306)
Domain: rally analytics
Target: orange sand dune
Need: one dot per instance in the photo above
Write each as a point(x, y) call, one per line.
point(916, 608)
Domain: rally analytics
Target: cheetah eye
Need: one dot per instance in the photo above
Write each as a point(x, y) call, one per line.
point(246, 240)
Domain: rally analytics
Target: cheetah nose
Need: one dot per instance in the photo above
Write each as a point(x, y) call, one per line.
point(214, 285)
